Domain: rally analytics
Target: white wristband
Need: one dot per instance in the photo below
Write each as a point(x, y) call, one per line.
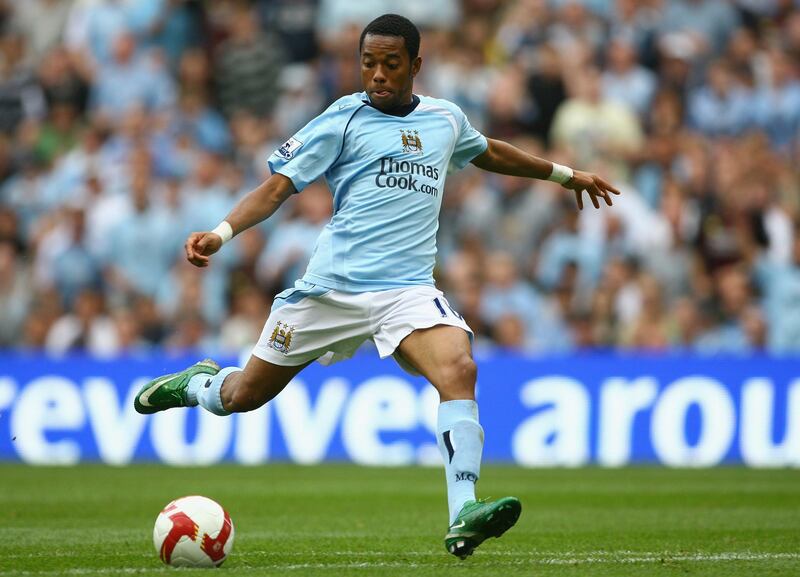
point(561, 174)
point(224, 231)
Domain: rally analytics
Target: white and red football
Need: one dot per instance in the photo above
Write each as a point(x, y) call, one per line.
point(193, 531)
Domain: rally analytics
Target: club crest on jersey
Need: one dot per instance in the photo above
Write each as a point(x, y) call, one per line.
point(281, 338)
point(411, 140)
point(289, 147)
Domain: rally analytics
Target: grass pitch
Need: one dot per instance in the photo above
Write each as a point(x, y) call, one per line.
point(339, 520)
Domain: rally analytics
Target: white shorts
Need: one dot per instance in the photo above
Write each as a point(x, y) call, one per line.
point(310, 322)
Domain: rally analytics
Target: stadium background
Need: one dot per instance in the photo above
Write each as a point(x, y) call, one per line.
point(127, 124)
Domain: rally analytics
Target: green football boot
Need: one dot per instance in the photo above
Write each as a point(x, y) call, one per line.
point(478, 521)
point(169, 391)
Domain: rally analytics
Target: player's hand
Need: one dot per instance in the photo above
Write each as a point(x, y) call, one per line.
point(591, 183)
point(200, 245)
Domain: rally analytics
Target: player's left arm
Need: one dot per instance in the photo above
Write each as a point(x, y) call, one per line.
point(504, 158)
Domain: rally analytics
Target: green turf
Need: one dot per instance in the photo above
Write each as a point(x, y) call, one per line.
point(342, 520)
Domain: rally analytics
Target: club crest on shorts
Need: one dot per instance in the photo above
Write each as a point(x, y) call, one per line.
point(281, 338)
point(411, 140)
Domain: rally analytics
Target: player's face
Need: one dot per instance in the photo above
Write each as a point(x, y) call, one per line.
point(387, 72)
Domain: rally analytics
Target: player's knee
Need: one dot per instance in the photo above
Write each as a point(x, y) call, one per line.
point(458, 378)
point(468, 370)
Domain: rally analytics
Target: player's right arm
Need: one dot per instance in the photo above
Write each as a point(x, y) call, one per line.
point(259, 204)
point(297, 163)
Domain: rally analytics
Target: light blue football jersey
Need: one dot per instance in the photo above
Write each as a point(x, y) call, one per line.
point(387, 177)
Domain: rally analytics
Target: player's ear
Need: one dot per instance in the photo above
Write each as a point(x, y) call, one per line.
point(416, 65)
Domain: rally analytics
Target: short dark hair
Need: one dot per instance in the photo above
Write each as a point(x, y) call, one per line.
point(394, 25)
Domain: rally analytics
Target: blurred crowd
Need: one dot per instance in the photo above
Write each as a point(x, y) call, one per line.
point(126, 124)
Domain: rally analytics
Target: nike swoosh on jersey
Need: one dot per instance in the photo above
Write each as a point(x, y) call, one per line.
point(458, 525)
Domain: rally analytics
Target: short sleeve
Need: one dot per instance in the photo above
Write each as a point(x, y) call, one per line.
point(312, 151)
point(469, 143)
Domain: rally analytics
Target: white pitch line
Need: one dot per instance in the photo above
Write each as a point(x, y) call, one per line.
point(567, 557)
point(93, 571)
point(698, 557)
point(567, 560)
point(532, 558)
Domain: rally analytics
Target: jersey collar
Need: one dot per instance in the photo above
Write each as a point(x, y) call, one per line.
point(402, 110)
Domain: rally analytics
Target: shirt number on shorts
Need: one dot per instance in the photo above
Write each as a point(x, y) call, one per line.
point(438, 302)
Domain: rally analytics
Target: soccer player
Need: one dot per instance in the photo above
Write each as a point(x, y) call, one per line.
point(385, 154)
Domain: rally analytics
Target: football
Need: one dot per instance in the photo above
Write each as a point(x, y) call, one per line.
point(193, 531)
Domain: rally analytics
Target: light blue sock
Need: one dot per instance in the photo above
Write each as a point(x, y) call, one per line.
point(195, 384)
point(205, 390)
point(460, 439)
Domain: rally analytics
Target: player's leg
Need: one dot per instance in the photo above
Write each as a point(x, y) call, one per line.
point(276, 359)
point(258, 383)
point(220, 391)
point(304, 325)
point(235, 390)
point(443, 355)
